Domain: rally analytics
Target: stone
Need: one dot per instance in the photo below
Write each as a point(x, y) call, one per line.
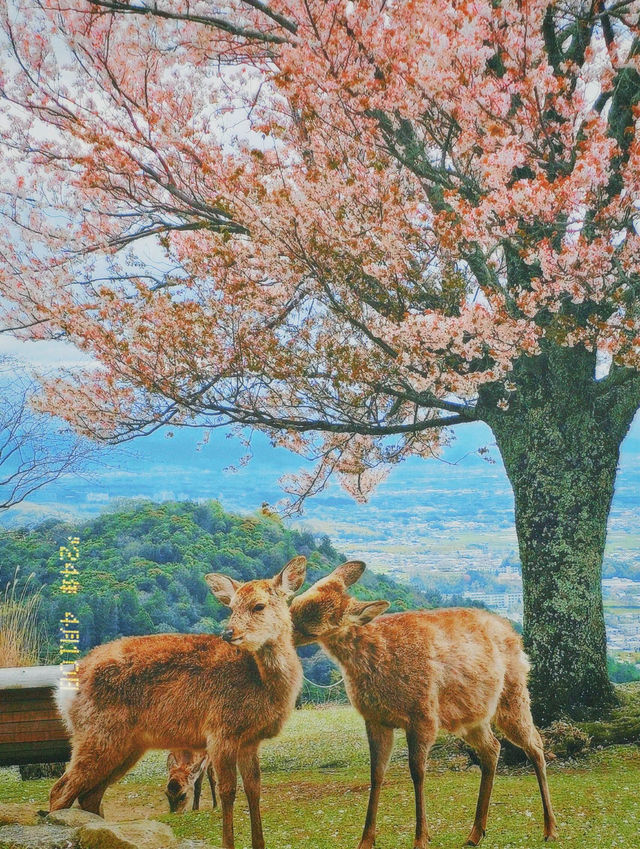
point(37, 837)
point(72, 817)
point(143, 834)
point(13, 812)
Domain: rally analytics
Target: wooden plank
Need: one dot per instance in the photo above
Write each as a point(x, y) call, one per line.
point(39, 729)
point(12, 701)
point(27, 693)
point(37, 710)
point(22, 739)
point(26, 724)
point(20, 677)
point(9, 706)
point(54, 751)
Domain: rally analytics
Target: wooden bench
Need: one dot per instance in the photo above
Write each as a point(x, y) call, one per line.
point(31, 730)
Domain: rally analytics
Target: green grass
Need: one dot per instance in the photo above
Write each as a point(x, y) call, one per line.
point(316, 783)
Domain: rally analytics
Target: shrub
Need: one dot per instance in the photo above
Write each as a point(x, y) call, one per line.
point(565, 740)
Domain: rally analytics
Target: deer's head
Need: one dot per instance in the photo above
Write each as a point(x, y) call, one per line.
point(326, 607)
point(259, 609)
point(184, 769)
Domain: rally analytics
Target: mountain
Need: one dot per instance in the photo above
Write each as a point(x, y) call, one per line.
point(141, 568)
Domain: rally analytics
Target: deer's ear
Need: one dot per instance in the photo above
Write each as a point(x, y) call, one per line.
point(349, 572)
point(361, 612)
point(171, 761)
point(223, 587)
point(292, 576)
point(197, 768)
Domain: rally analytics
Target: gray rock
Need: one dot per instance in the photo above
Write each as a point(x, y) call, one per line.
point(37, 837)
point(143, 834)
point(72, 817)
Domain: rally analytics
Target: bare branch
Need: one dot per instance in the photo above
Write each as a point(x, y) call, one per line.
point(33, 452)
point(250, 34)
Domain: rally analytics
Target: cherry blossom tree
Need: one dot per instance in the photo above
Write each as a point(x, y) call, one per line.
point(352, 225)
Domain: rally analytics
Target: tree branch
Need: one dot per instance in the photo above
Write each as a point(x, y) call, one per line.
point(124, 8)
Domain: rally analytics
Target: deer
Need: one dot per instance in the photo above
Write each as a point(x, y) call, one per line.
point(186, 770)
point(225, 694)
point(455, 669)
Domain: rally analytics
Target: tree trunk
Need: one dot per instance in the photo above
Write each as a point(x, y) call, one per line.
point(560, 445)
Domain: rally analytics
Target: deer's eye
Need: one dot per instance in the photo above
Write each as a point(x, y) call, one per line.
point(258, 607)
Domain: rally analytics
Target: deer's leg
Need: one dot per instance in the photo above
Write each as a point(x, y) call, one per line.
point(526, 736)
point(225, 757)
point(90, 764)
point(91, 800)
point(250, 772)
point(212, 784)
point(65, 791)
point(535, 752)
point(515, 721)
point(197, 789)
point(486, 744)
point(420, 738)
point(380, 745)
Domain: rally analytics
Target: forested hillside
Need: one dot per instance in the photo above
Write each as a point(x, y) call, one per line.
point(141, 569)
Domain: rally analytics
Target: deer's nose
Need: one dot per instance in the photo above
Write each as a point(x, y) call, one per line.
point(227, 635)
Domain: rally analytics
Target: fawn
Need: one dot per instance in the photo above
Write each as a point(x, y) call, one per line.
point(184, 783)
point(192, 691)
point(451, 668)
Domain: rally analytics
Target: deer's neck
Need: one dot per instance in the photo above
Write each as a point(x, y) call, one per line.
point(350, 647)
point(279, 667)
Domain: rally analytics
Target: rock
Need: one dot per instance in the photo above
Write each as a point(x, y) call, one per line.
point(37, 837)
point(12, 812)
point(72, 817)
point(144, 834)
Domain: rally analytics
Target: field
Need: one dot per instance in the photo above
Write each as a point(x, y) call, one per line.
point(316, 783)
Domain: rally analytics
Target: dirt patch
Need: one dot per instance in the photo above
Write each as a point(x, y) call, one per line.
point(133, 802)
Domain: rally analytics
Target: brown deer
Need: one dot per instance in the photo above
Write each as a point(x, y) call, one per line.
point(456, 669)
point(192, 691)
point(186, 770)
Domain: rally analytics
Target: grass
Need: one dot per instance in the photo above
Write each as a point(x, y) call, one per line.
point(20, 638)
point(316, 784)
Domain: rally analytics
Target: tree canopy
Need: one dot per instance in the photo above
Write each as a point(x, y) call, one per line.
point(366, 212)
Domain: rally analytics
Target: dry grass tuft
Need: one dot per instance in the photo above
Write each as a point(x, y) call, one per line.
point(20, 637)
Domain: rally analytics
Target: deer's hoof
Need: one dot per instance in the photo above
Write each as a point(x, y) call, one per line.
point(475, 837)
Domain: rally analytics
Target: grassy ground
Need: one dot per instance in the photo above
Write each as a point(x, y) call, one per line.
point(316, 783)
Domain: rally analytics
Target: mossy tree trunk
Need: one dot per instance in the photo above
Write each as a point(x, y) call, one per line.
point(560, 441)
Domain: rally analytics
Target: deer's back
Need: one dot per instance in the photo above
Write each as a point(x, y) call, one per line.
point(451, 663)
point(168, 690)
